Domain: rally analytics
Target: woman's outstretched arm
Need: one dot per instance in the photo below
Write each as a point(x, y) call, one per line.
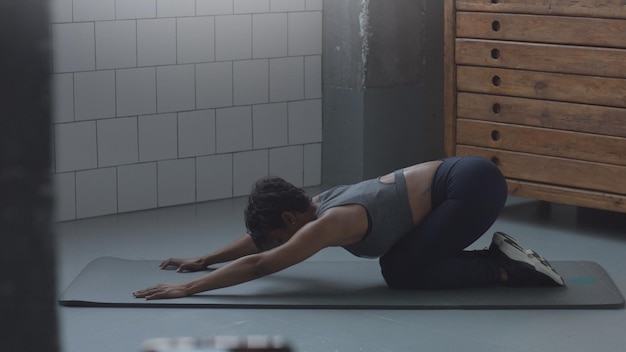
point(240, 248)
point(310, 239)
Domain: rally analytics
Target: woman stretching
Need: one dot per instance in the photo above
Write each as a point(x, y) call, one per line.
point(417, 221)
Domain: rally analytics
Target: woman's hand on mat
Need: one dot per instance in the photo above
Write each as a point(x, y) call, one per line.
point(162, 291)
point(181, 265)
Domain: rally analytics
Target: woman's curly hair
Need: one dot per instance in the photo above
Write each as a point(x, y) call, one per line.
point(269, 198)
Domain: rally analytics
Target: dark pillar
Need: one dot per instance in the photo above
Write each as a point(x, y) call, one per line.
point(27, 281)
point(380, 113)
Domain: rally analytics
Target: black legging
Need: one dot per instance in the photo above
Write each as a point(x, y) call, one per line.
point(468, 194)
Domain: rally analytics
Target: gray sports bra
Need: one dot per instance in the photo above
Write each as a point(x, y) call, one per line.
point(388, 211)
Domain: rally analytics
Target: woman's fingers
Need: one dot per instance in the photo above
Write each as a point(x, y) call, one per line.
point(143, 293)
point(155, 295)
point(147, 294)
point(160, 291)
point(169, 262)
point(181, 264)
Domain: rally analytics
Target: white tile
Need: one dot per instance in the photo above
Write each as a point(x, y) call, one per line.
point(269, 125)
point(196, 133)
point(314, 5)
point(75, 146)
point(73, 47)
point(248, 167)
point(233, 37)
point(305, 122)
point(116, 44)
point(94, 10)
point(136, 91)
point(269, 35)
point(234, 129)
point(94, 94)
point(176, 8)
point(117, 141)
point(196, 39)
point(96, 192)
point(60, 11)
point(176, 88)
point(313, 77)
point(287, 163)
point(214, 85)
point(287, 5)
point(305, 33)
point(157, 137)
point(133, 9)
point(312, 165)
point(137, 187)
point(251, 81)
point(214, 177)
point(64, 196)
point(63, 97)
point(287, 79)
point(156, 41)
point(251, 6)
point(214, 7)
point(176, 182)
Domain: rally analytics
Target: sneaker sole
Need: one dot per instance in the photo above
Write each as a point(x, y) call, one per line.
point(512, 249)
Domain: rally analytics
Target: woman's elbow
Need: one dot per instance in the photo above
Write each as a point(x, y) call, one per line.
point(259, 267)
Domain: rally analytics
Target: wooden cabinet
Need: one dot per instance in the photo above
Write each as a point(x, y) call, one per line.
point(539, 87)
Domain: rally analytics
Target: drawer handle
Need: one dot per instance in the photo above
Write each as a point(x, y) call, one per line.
point(496, 108)
point(495, 135)
point(495, 25)
point(495, 1)
point(496, 80)
point(495, 54)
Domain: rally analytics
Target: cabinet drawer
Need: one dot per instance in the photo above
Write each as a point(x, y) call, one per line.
point(543, 113)
point(542, 29)
point(539, 85)
point(542, 57)
point(587, 8)
point(565, 144)
point(552, 170)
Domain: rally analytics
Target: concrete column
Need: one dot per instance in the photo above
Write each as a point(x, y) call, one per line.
point(27, 281)
point(381, 111)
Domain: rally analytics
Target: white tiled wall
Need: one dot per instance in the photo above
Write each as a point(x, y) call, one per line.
point(166, 102)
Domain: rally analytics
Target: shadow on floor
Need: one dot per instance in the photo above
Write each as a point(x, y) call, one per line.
point(568, 218)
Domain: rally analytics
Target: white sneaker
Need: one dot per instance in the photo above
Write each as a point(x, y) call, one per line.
point(524, 267)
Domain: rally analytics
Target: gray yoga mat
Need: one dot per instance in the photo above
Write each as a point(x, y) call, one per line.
point(109, 282)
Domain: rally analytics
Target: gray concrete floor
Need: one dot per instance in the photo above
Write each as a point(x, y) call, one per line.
point(555, 231)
